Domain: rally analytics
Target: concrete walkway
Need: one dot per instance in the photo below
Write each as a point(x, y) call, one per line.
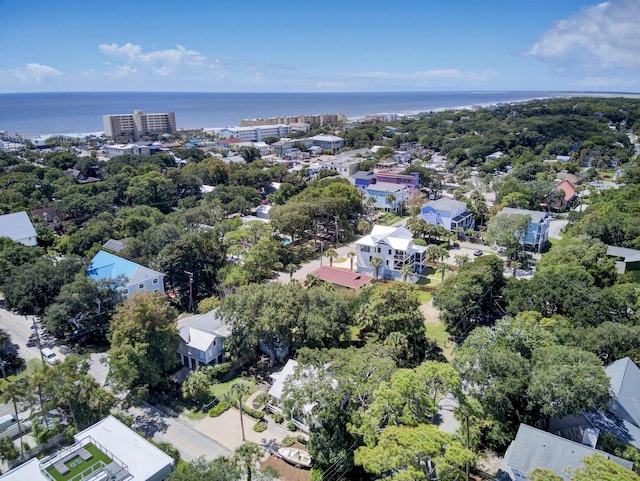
point(226, 429)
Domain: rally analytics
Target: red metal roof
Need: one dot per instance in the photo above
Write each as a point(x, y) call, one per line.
point(342, 277)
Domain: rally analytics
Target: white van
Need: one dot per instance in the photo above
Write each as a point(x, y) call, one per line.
point(9, 426)
point(50, 357)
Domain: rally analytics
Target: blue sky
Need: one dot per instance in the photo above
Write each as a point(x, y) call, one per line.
point(319, 46)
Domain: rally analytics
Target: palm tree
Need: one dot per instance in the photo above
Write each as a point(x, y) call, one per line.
point(350, 256)
point(391, 200)
point(371, 202)
point(363, 226)
point(436, 253)
point(442, 268)
point(311, 281)
point(376, 262)
point(247, 455)
point(14, 391)
point(291, 268)
point(406, 271)
point(331, 254)
point(236, 393)
point(461, 259)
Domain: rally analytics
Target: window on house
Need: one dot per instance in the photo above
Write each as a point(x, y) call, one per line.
point(365, 249)
point(125, 292)
point(378, 250)
point(389, 251)
point(155, 281)
point(141, 286)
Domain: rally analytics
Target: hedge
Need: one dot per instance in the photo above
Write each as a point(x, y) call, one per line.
point(218, 409)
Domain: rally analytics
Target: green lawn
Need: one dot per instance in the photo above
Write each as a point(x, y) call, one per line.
point(94, 462)
point(219, 390)
point(424, 296)
point(389, 218)
point(438, 333)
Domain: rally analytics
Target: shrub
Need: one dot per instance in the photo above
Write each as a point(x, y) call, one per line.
point(288, 441)
point(254, 413)
point(261, 399)
point(260, 426)
point(218, 409)
point(220, 370)
point(291, 426)
point(301, 439)
point(278, 418)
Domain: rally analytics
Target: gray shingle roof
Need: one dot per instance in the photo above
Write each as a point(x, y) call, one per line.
point(533, 448)
point(16, 226)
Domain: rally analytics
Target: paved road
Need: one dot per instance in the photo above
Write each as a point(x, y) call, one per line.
point(19, 329)
point(163, 427)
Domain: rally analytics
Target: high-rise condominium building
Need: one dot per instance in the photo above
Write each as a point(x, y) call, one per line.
point(138, 124)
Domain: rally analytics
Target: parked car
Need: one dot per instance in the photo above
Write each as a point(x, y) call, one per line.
point(9, 426)
point(50, 357)
point(477, 252)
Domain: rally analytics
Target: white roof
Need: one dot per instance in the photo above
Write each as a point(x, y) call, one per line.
point(200, 331)
point(281, 377)
point(142, 458)
point(398, 238)
point(16, 226)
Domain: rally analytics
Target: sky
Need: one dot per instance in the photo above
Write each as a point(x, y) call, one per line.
point(319, 46)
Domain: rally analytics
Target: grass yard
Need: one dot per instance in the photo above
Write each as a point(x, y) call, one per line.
point(424, 296)
point(219, 390)
point(389, 218)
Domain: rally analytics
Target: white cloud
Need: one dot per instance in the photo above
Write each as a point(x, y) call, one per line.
point(427, 74)
point(128, 50)
point(35, 72)
point(162, 62)
point(602, 36)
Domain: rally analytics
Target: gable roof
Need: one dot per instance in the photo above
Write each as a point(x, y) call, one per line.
point(342, 277)
point(109, 266)
point(568, 188)
point(281, 377)
point(446, 204)
point(625, 383)
point(201, 330)
point(536, 215)
point(533, 448)
point(16, 226)
point(397, 237)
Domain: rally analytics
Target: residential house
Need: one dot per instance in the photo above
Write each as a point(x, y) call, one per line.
point(394, 245)
point(345, 165)
point(107, 450)
point(533, 448)
point(342, 278)
point(137, 278)
point(279, 381)
point(448, 213)
point(202, 339)
point(412, 181)
point(629, 259)
point(381, 192)
point(80, 177)
point(18, 227)
point(363, 179)
point(50, 216)
point(328, 142)
point(537, 234)
point(496, 155)
point(621, 419)
point(566, 200)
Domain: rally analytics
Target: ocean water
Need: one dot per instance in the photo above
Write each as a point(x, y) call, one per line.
point(81, 112)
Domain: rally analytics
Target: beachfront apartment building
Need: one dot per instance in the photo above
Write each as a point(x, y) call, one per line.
point(316, 120)
point(137, 148)
point(254, 134)
point(139, 123)
point(394, 245)
point(449, 213)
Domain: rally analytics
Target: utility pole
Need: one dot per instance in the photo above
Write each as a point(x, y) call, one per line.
point(190, 309)
point(336, 219)
point(35, 330)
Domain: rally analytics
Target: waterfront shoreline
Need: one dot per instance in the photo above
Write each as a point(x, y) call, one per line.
point(80, 113)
